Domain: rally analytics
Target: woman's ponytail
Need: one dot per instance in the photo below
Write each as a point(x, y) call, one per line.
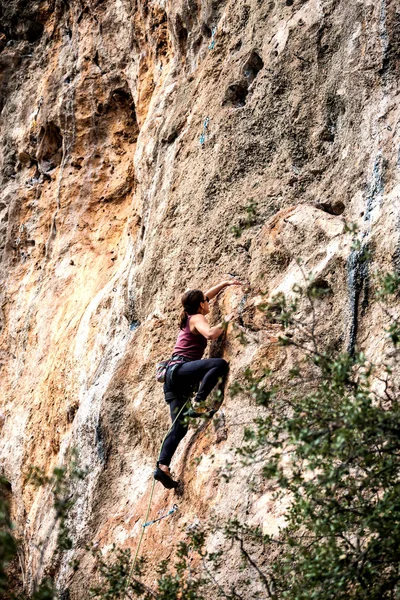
point(191, 302)
point(182, 319)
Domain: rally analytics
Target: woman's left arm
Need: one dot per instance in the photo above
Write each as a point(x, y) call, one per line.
point(212, 292)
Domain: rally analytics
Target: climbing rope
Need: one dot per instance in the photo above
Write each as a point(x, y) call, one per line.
point(213, 34)
point(205, 126)
point(147, 523)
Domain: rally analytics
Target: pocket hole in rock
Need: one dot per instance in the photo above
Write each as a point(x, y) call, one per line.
point(181, 33)
point(197, 44)
point(236, 95)
point(237, 47)
point(205, 30)
point(332, 208)
point(320, 287)
point(252, 67)
point(50, 148)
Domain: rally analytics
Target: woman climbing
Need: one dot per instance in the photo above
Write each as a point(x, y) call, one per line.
point(186, 370)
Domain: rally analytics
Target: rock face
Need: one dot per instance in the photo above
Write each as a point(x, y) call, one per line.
point(137, 139)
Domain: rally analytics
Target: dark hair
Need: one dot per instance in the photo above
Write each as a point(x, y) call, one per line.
point(191, 302)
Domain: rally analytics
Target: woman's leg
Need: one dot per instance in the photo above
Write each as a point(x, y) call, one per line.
point(209, 371)
point(176, 434)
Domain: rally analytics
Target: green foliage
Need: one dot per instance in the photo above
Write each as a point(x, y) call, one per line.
point(351, 228)
point(248, 220)
point(389, 285)
point(45, 591)
point(388, 290)
point(8, 545)
point(113, 574)
point(331, 442)
point(177, 580)
point(59, 482)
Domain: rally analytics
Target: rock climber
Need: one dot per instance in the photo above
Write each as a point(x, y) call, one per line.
point(187, 369)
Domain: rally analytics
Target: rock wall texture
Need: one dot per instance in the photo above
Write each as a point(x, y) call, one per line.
point(111, 206)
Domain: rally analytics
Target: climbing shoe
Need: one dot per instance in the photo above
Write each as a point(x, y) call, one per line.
point(192, 414)
point(208, 414)
point(198, 409)
point(166, 480)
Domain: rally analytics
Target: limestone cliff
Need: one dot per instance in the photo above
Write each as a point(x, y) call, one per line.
point(135, 134)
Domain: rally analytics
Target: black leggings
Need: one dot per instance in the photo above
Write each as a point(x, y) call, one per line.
point(208, 371)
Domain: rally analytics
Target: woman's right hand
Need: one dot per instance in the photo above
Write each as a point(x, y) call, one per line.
point(228, 318)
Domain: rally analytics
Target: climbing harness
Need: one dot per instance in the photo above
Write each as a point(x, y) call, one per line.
point(170, 512)
point(170, 364)
point(205, 127)
point(147, 523)
point(213, 34)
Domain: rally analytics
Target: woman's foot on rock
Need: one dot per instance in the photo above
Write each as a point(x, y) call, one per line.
point(163, 475)
point(197, 409)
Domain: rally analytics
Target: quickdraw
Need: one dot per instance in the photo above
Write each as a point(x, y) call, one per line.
point(213, 34)
point(205, 127)
point(170, 512)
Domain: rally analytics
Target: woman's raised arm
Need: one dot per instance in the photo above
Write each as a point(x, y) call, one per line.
point(212, 292)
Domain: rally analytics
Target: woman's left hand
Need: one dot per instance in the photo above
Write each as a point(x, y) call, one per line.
point(212, 292)
point(233, 282)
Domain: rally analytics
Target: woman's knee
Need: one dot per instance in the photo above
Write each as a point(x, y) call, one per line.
point(222, 365)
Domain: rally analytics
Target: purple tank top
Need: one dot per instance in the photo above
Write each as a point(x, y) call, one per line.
point(190, 344)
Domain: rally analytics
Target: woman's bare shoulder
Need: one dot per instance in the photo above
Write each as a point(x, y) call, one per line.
point(196, 320)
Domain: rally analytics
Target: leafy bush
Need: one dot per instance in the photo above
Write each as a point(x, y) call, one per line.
point(330, 439)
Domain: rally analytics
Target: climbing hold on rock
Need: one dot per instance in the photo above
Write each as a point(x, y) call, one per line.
point(24, 158)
